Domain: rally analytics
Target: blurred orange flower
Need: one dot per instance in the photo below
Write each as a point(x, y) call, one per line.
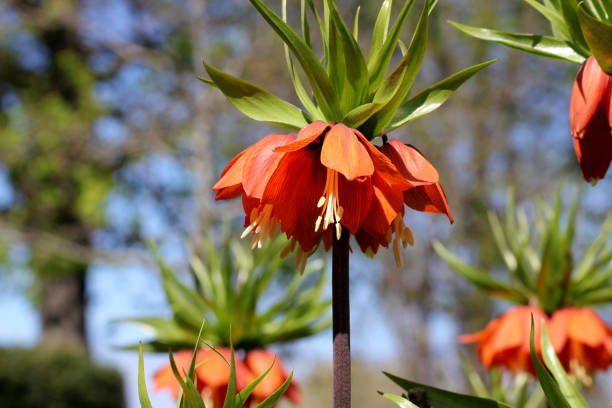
point(591, 120)
point(258, 362)
point(212, 373)
point(505, 340)
point(581, 339)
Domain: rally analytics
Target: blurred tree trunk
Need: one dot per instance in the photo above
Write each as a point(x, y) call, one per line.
point(63, 308)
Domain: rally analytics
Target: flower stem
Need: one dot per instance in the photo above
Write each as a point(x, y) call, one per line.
point(341, 322)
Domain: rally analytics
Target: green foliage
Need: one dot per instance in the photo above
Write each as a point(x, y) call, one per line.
point(436, 397)
point(346, 86)
point(559, 389)
point(579, 29)
point(597, 33)
point(56, 378)
point(232, 282)
point(520, 392)
point(191, 398)
point(542, 266)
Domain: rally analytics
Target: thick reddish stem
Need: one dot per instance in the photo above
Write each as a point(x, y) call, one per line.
point(341, 322)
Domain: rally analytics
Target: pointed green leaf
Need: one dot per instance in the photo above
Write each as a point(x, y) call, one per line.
point(379, 58)
point(246, 392)
point(304, 21)
point(143, 395)
point(356, 25)
point(257, 103)
point(319, 81)
point(276, 395)
point(542, 45)
point(476, 383)
point(381, 27)
point(408, 68)
point(300, 91)
point(598, 36)
point(548, 383)
point(400, 401)
point(478, 277)
point(230, 395)
point(433, 97)
point(567, 387)
point(356, 73)
point(442, 398)
point(554, 17)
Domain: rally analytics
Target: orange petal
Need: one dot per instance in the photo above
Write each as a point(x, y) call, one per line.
point(386, 204)
point(410, 162)
point(294, 190)
point(355, 197)
point(230, 182)
point(164, 378)
point(586, 327)
point(261, 163)
point(427, 194)
point(429, 199)
point(306, 136)
point(384, 167)
point(258, 362)
point(342, 151)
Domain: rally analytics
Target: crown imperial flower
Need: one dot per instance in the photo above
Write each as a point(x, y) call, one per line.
point(327, 178)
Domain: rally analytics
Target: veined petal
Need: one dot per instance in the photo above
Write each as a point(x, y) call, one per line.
point(369, 241)
point(384, 167)
point(294, 190)
point(342, 151)
point(590, 94)
point(261, 163)
point(386, 204)
point(306, 136)
point(427, 195)
point(430, 199)
point(410, 163)
point(230, 182)
point(355, 197)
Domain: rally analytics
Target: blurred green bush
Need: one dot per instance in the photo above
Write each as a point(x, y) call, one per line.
point(56, 378)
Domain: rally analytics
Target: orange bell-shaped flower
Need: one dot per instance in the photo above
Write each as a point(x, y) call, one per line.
point(505, 342)
point(591, 120)
point(581, 339)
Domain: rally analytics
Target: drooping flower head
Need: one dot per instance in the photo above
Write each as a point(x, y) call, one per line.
point(505, 342)
point(327, 178)
point(591, 120)
point(330, 177)
point(582, 340)
point(213, 372)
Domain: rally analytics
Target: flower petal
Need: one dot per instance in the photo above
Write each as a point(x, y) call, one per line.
point(427, 195)
point(306, 136)
point(343, 151)
point(594, 149)
point(294, 190)
point(589, 94)
point(355, 197)
point(261, 163)
point(410, 163)
point(230, 182)
point(386, 204)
